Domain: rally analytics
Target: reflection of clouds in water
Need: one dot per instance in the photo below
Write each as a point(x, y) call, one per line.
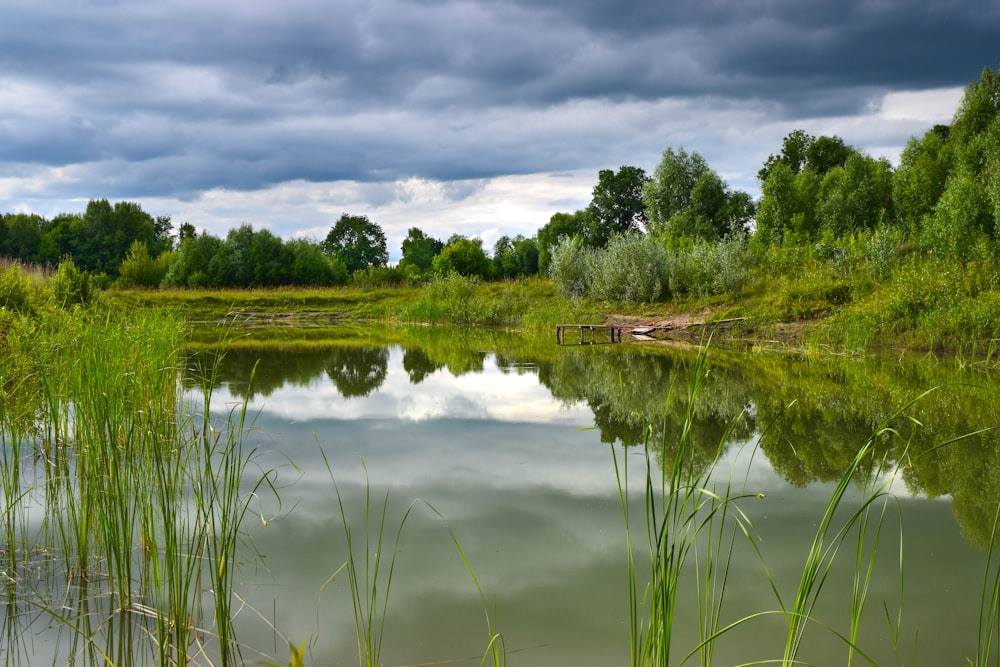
point(490, 394)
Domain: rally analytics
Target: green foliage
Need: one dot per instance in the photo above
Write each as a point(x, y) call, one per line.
point(962, 219)
point(920, 179)
point(357, 242)
point(515, 257)
point(375, 276)
point(71, 286)
point(453, 298)
point(711, 268)
point(686, 199)
point(856, 196)
point(571, 266)
point(419, 251)
point(560, 225)
point(632, 269)
point(465, 257)
point(138, 269)
point(16, 291)
point(617, 206)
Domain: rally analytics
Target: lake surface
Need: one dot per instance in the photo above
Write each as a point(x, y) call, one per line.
point(509, 443)
point(501, 451)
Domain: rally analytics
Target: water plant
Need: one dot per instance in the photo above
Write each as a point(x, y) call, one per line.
point(143, 502)
point(686, 519)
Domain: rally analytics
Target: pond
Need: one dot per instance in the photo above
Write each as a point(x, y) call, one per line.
point(493, 466)
point(509, 445)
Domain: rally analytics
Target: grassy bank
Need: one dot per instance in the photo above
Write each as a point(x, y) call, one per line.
point(793, 298)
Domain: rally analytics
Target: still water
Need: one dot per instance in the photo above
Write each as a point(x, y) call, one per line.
point(509, 445)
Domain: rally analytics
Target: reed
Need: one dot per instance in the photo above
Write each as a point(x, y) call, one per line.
point(369, 579)
point(144, 502)
point(688, 521)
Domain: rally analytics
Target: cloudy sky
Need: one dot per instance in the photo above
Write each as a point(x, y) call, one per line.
point(478, 117)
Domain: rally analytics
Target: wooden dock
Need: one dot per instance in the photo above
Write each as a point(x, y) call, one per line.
point(612, 333)
point(595, 334)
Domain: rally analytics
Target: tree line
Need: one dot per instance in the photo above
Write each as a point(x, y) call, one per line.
point(943, 199)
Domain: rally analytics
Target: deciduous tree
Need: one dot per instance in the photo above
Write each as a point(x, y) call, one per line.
point(358, 242)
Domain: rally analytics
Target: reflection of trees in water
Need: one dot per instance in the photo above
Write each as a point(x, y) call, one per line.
point(626, 390)
point(836, 403)
point(354, 371)
point(840, 403)
point(357, 371)
point(418, 365)
point(275, 368)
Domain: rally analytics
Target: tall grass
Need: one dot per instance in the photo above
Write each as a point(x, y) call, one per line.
point(144, 502)
point(686, 519)
point(369, 577)
point(692, 526)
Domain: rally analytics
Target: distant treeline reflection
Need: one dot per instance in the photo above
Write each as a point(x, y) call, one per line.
point(817, 412)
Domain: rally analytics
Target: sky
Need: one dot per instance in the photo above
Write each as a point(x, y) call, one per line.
point(475, 117)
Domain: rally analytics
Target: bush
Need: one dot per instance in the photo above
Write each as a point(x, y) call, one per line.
point(16, 293)
point(632, 268)
point(70, 285)
point(139, 269)
point(570, 266)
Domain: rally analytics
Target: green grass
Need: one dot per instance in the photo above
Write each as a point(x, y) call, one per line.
point(145, 499)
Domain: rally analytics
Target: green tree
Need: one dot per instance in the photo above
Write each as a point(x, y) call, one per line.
point(516, 256)
point(140, 269)
point(465, 257)
point(920, 179)
point(271, 260)
point(803, 152)
point(688, 200)
point(617, 206)
point(855, 197)
point(419, 251)
point(311, 267)
point(560, 225)
point(21, 236)
point(669, 190)
point(189, 265)
point(358, 242)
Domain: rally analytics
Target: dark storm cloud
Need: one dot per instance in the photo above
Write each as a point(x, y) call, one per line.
point(174, 97)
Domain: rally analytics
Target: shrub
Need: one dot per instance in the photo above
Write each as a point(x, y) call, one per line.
point(70, 285)
point(570, 266)
point(15, 290)
point(139, 269)
point(632, 268)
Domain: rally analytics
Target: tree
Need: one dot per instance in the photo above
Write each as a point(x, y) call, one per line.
point(855, 197)
point(140, 269)
point(515, 257)
point(617, 206)
point(358, 242)
point(920, 179)
point(189, 266)
point(803, 152)
point(310, 266)
point(668, 192)
point(560, 225)
point(686, 199)
point(465, 257)
point(419, 250)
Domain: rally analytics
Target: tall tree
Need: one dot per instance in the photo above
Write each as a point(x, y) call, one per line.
point(920, 179)
point(687, 199)
point(668, 192)
point(419, 250)
point(560, 225)
point(358, 242)
point(617, 206)
point(465, 257)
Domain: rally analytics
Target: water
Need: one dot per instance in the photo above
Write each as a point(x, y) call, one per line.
point(509, 444)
